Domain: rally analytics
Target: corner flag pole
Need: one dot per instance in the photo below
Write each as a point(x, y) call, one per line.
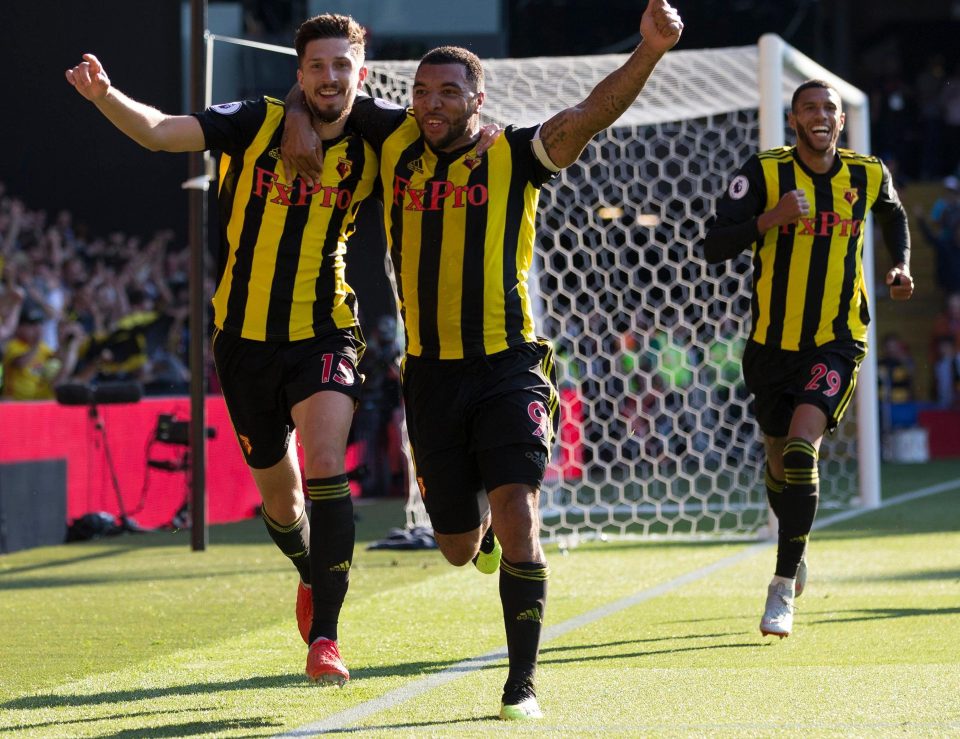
point(198, 184)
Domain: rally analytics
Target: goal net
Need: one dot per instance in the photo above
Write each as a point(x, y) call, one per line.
point(656, 434)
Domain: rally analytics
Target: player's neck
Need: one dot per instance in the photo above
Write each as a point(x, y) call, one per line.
point(820, 162)
point(328, 131)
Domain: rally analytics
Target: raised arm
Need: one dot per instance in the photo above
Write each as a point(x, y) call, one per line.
point(566, 133)
point(147, 126)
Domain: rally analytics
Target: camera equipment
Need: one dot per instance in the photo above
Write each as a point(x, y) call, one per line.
point(170, 430)
point(107, 393)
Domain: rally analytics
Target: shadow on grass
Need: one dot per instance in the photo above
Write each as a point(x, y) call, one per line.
point(626, 642)
point(192, 728)
point(875, 614)
point(62, 562)
point(54, 700)
point(415, 669)
point(918, 576)
point(619, 656)
point(409, 726)
point(267, 682)
point(31, 583)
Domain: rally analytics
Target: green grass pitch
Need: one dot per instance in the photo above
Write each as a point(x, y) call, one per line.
point(137, 636)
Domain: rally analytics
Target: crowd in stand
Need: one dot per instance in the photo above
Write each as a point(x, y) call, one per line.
point(916, 122)
point(78, 308)
point(75, 307)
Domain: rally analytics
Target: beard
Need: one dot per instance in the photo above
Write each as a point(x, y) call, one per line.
point(808, 141)
point(455, 129)
point(330, 114)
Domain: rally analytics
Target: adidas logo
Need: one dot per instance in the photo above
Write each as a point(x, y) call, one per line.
point(416, 166)
point(342, 567)
point(274, 153)
point(538, 458)
point(531, 614)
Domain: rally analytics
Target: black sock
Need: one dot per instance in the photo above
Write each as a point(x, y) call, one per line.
point(799, 504)
point(486, 543)
point(331, 551)
point(523, 592)
point(293, 540)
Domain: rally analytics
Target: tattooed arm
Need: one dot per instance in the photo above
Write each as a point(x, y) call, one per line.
point(564, 136)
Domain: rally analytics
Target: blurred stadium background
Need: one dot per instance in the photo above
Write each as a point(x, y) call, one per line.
point(61, 155)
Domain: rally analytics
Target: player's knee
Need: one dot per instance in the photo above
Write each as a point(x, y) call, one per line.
point(457, 549)
point(323, 462)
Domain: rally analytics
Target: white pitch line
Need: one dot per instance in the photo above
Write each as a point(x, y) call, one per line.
point(351, 716)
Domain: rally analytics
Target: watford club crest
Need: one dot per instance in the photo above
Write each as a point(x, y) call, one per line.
point(851, 195)
point(471, 163)
point(344, 166)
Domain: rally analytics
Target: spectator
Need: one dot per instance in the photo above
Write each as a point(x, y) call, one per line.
point(136, 348)
point(946, 372)
point(895, 370)
point(942, 231)
point(947, 324)
point(11, 301)
point(31, 369)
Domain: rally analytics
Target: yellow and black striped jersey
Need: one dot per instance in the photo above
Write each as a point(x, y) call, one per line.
point(281, 271)
point(808, 280)
point(460, 230)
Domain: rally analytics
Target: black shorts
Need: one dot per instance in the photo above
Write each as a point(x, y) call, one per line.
point(780, 380)
point(476, 424)
point(263, 380)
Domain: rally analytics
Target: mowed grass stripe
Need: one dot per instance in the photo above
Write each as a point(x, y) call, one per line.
point(205, 645)
point(409, 692)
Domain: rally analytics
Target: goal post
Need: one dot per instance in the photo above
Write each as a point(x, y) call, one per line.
point(656, 437)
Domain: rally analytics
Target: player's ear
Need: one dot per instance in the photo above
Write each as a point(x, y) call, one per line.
point(300, 77)
point(363, 76)
point(843, 120)
point(481, 96)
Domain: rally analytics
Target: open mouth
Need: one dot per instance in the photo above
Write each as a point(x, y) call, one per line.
point(434, 125)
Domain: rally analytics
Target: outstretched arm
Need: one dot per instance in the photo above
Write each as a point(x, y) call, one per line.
point(566, 133)
point(147, 126)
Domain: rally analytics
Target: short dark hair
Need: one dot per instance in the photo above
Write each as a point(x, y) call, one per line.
point(821, 84)
point(457, 55)
point(330, 25)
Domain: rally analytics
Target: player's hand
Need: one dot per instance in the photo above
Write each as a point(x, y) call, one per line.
point(301, 150)
point(488, 137)
point(900, 283)
point(660, 26)
point(792, 207)
point(89, 78)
